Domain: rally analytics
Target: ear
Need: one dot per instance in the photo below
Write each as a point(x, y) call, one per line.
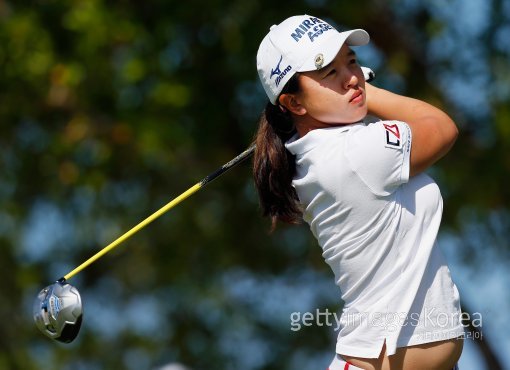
point(292, 104)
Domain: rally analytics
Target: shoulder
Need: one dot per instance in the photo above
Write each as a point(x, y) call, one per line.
point(316, 139)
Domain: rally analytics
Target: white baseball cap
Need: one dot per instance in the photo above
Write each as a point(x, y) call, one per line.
point(300, 43)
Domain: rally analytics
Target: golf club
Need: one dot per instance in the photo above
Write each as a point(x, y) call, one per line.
point(58, 310)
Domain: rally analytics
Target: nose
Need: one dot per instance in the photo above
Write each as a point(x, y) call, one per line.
point(351, 80)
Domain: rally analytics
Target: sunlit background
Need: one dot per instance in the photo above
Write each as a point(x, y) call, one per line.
point(108, 110)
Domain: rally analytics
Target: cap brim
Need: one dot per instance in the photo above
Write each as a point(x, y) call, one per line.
point(330, 47)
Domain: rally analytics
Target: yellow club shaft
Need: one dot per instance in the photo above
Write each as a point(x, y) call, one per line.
point(161, 211)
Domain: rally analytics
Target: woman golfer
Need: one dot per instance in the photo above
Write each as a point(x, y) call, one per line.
point(361, 188)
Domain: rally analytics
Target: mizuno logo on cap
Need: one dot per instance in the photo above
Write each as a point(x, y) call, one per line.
point(278, 72)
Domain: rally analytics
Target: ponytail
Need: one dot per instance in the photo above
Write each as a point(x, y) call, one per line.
point(274, 166)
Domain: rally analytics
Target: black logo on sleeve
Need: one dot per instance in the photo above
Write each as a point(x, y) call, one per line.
point(392, 135)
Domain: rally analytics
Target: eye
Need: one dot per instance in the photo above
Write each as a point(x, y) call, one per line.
point(353, 61)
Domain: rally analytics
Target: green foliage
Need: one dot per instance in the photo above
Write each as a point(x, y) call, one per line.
point(110, 109)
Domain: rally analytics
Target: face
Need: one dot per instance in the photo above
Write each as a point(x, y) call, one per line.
point(332, 95)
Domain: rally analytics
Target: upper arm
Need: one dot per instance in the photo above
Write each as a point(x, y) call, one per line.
point(433, 136)
point(380, 155)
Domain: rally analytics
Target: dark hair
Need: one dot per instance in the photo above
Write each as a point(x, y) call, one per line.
point(274, 166)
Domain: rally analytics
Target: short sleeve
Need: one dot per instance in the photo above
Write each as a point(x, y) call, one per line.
point(379, 153)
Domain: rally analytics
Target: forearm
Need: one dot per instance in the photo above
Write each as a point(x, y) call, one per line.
point(390, 106)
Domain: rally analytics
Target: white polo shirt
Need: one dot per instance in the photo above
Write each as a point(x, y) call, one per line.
point(377, 228)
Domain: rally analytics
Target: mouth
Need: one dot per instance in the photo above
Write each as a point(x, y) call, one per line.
point(356, 97)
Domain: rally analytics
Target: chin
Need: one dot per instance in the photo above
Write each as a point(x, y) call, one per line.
point(360, 116)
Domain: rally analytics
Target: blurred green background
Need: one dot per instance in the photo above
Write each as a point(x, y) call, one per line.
point(109, 109)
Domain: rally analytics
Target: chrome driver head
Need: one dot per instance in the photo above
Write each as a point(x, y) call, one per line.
point(58, 311)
